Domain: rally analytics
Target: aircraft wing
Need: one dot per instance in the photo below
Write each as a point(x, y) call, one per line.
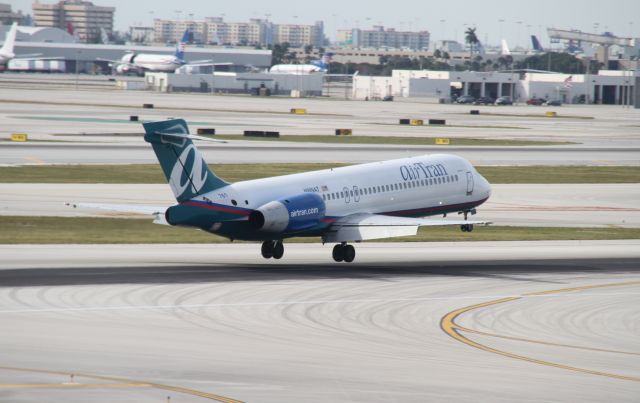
point(157, 212)
point(362, 226)
point(207, 63)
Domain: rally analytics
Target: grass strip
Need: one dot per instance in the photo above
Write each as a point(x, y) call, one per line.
point(90, 230)
point(151, 173)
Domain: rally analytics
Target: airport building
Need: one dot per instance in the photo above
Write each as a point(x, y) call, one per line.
point(86, 19)
point(237, 83)
point(606, 87)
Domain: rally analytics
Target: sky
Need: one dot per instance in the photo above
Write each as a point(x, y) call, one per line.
point(513, 20)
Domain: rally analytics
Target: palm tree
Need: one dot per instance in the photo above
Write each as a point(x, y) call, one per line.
point(471, 38)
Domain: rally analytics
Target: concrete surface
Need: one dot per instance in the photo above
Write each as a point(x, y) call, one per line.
point(405, 323)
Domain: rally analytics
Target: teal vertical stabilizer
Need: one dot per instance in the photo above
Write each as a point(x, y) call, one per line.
point(182, 164)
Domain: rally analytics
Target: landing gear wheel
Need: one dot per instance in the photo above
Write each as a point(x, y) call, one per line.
point(338, 253)
point(278, 250)
point(267, 249)
point(466, 227)
point(349, 253)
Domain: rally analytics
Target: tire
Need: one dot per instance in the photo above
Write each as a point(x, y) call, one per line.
point(338, 253)
point(349, 253)
point(278, 250)
point(469, 227)
point(267, 249)
point(463, 228)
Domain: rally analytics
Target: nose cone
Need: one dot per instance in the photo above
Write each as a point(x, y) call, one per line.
point(484, 187)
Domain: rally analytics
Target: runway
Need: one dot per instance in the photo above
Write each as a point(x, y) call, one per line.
point(237, 152)
point(496, 321)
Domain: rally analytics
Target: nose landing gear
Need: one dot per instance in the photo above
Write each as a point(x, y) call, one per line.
point(466, 227)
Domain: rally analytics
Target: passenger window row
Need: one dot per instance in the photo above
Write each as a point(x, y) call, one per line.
point(390, 188)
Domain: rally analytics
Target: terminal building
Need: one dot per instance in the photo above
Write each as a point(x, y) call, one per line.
point(607, 87)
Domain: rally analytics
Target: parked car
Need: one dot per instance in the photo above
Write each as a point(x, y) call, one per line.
point(554, 102)
point(484, 101)
point(388, 98)
point(504, 101)
point(536, 101)
point(465, 99)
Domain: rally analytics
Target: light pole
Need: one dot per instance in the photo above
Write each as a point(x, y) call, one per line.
point(501, 21)
point(443, 33)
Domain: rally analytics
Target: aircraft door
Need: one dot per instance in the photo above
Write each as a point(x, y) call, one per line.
point(469, 183)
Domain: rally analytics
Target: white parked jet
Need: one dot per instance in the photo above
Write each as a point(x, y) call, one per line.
point(340, 205)
point(316, 66)
point(139, 63)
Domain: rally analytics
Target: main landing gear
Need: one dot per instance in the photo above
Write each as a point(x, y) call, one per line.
point(343, 252)
point(272, 249)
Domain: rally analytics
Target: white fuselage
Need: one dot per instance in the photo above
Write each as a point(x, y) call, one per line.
point(409, 186)
point(150, 62)
point(296, 69)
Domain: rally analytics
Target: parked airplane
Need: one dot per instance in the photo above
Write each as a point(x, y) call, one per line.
point(7, 50)
point(139, 63)
point(341, 205)
point(316, 66)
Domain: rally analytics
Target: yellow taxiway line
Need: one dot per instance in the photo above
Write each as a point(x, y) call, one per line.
point(449, 326)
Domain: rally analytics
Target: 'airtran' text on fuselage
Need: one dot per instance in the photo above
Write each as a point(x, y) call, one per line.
point(419, 170)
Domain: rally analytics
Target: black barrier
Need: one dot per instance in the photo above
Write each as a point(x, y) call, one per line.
point(204, 130)
point(147, 106)
point(344, 132)
point(133, 118)
point(475, 112)
point(437, 121)
point(405, 121)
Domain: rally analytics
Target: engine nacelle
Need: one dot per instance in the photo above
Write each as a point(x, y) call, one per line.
point(295, 213)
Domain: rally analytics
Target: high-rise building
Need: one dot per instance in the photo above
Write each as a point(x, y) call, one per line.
point(299, 35)
point(8, 16)
point(378, 37)
point(253, 32)
point(214, 30)
point(85, 19)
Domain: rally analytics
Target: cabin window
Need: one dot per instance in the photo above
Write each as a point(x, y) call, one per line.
point(342, 195)
point(235, 203)
point(323, 197)
point(351, 193)
point(456, 178)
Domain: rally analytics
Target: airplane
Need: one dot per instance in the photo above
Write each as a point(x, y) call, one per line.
point(316, 66)
point(7, 49)
point(139, 63)
point(341, 205)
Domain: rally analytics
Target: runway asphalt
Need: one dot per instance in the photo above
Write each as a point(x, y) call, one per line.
point(496, 322)
point(264, 152)
point(550, 205)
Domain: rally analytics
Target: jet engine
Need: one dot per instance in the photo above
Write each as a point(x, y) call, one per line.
point(289, 214)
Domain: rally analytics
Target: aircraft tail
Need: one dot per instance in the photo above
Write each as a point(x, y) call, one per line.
point(182, 164)
point(182, 45)
point(536, 44)
point(504, 48)
point(9, 40)
point(324, 62)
